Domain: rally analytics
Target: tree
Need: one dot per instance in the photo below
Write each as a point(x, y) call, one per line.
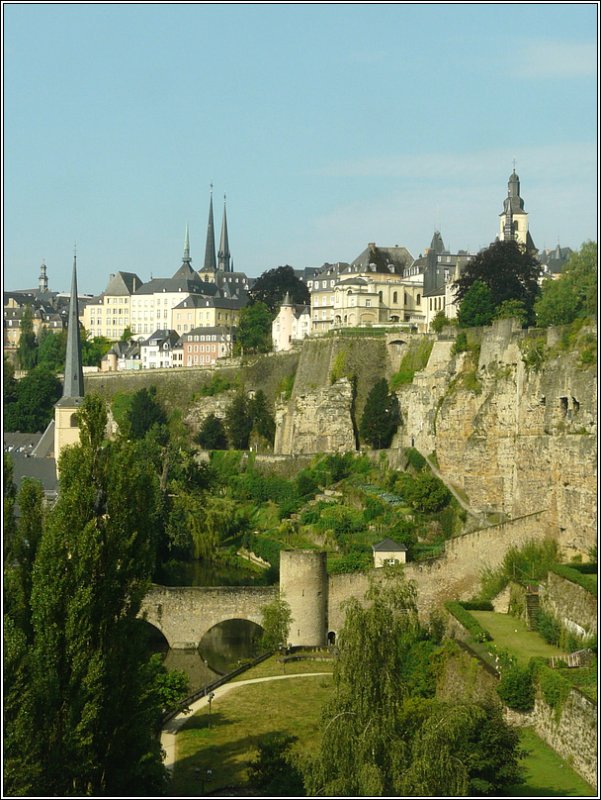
point(127, 334)
point(276, 618)
point(273, 770)
point(93, 349)
point(439, 322)
point(509, 270)
point(477, 307)
point(211, 435)
point(427, 493)
point(32, 409)
point(271, 287)
point(381, 737)
point(239, 422)
point(573, 294)
point(381, 416)
point(262, 419)
point(91, 712)
point(144, 412)
point(52, 348)
point(512, 309)
point(9, 383)
point(254, 329)
point(362, 751)
point(27, 353)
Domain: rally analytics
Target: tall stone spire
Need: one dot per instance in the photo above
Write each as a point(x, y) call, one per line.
point(210, 264)
point(186, 259)
point(224, 245)
point(73, 386)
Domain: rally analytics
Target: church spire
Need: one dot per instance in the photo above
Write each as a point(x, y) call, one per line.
point(43, 279)
point(186, 259)
point(73, 384)
point(210, 264)
point(224, 245)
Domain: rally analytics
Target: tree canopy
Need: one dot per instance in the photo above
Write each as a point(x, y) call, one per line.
point(574, 293)
point(84, 702)
point(271, 287)
point(34, 396)
point(254, 329)
point(384, 733)
point(381, 416)
point(510, 272)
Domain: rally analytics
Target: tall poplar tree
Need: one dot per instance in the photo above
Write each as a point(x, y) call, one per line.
point(92, 712)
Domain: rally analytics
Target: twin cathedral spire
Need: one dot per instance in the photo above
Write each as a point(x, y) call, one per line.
point(220, 260)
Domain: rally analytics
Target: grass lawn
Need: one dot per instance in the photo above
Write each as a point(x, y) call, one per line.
point(547, 775)
point(238, 720)
point(273, 666)
point(512, 634)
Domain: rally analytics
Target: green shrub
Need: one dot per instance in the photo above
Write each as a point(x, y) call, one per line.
point(460, 344)
point(555, 688)
point(470, 623)
point(415, 459)
point(477, 605)
point(548, 627)
point(587, 582)
point(216, 385)
point(267, 549)
point(516, 688)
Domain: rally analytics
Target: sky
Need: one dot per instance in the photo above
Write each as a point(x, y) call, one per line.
point(328, 126)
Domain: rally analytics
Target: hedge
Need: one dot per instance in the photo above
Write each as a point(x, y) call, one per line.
point(586, 582)
point(469, 622)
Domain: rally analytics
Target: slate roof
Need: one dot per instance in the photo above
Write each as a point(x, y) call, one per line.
point(123, 283)
point(202, 301)
point(388, 546)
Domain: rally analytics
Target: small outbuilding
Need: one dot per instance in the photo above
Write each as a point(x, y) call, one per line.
point(388, 553)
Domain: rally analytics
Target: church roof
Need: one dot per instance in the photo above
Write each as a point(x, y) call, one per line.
point(73, 380)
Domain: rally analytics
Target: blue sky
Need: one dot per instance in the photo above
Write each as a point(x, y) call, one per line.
point(328, 126)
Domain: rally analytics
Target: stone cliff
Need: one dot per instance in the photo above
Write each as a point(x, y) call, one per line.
point(512, 437)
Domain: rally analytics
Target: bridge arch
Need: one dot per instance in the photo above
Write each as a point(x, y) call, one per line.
point(184, 614)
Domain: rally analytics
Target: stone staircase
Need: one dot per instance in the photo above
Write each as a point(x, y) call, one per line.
point(532, 606)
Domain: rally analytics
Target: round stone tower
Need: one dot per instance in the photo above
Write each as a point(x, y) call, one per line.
point(304, 586)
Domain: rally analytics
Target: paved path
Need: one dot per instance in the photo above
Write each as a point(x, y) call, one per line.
point(171, 728)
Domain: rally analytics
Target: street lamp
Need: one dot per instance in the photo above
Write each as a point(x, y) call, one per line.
point(210, 697)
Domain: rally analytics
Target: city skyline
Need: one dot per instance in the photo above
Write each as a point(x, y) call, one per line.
point(327, 127)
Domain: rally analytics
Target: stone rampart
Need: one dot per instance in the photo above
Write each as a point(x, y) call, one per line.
point(573, 606)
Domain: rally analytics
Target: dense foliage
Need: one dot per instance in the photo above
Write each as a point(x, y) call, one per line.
point(573, 294)
point(384, 734)
point(271, 287)
point(83, 703)
point(29, 402)
point(254, 329)
point(508, 270)
point(381, 416)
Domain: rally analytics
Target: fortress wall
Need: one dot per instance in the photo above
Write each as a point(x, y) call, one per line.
point(572, 605)
point(304, 586)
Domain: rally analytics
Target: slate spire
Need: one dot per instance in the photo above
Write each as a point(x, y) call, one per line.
point(186, 259)
point(73, 384)
point(210, 264)
point(224, 245)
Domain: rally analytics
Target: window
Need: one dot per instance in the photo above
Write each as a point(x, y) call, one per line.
point(395, 297)
point(418, 299)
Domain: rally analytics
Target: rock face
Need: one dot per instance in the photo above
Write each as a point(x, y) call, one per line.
point(318, 421)
point(514, 440)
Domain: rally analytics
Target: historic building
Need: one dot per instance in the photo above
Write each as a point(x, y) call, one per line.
point(373, 290)
point(292, 324)
point(109, 314)
point(203, 346)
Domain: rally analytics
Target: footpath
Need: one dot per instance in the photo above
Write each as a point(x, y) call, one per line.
point(171, 728)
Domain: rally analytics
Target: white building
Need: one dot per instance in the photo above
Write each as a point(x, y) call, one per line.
point(291, 325)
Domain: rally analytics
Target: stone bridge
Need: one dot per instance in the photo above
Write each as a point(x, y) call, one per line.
point(184, 614)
